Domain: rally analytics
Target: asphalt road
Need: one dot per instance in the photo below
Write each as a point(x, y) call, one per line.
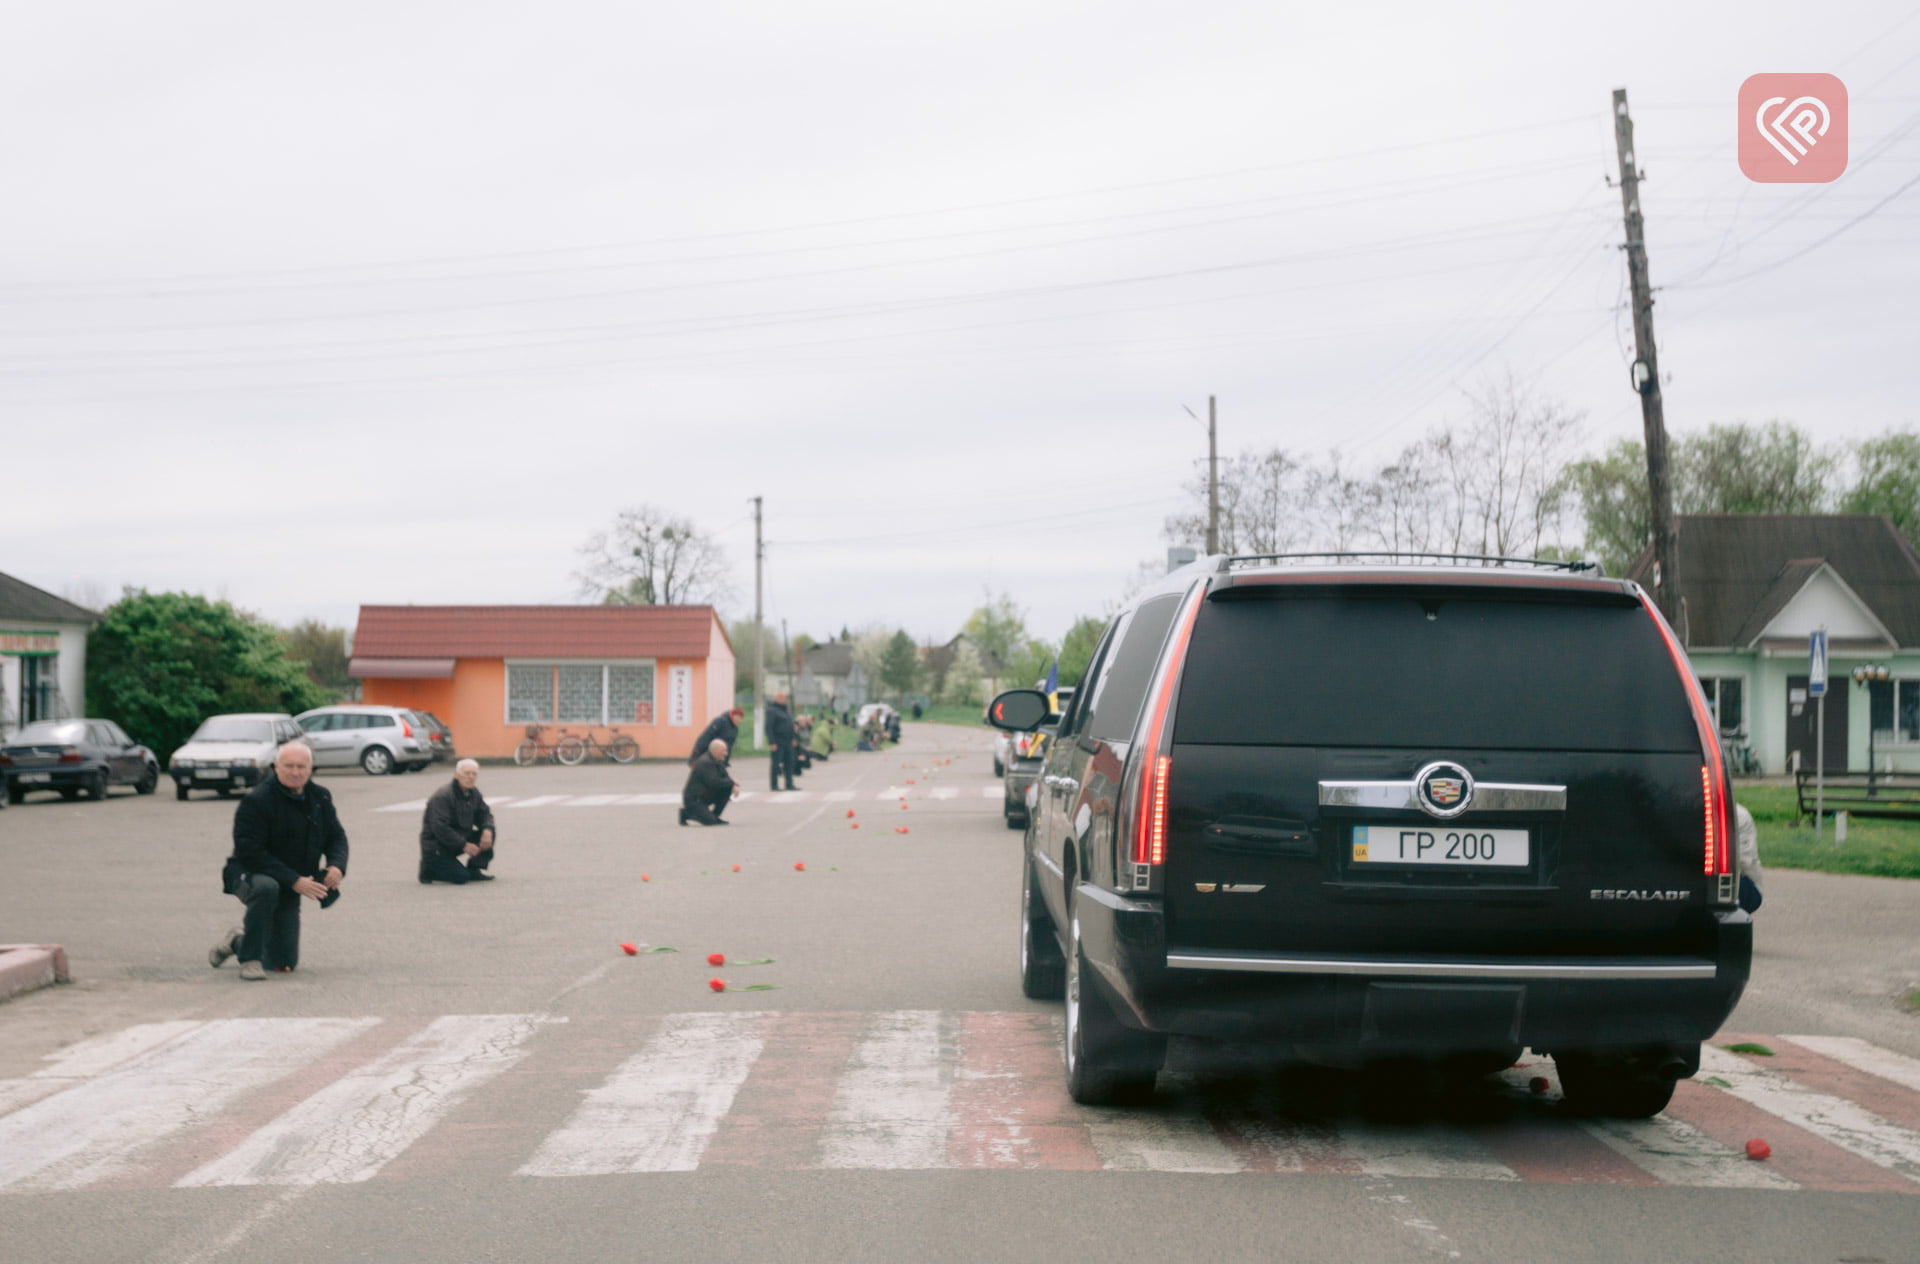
point(481, 1073)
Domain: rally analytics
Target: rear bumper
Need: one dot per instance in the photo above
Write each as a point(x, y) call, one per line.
point(1388, 1006)
point(234, 778)
point(65, 775)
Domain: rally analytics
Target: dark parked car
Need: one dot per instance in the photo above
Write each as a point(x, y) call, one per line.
point(438, 735)
point(74, 757)
point(1365, 812)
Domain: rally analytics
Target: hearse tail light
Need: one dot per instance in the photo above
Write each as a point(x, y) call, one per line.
point(1156, 752)
point(1716, 845)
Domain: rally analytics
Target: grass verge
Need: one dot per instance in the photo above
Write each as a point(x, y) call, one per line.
point(1877, 848)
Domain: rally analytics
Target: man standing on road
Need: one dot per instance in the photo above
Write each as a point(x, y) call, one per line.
point(780, 739)
point(282, 830)
point(457, 827)
point(725, 728)
point(709, 787)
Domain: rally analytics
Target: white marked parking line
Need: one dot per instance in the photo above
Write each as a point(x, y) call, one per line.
point(1846, 1124)
point(94, 1130)
point(354, 1126)
point(1677, 1153)
point(657, 1112)
point(1862, 1056)
point(892, 1109)
point(542, 800)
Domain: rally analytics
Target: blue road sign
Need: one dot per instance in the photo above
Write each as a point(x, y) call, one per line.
point(1817, 664)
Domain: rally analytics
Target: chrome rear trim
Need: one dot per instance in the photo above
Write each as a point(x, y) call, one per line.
point(1488, 796)
point(1430, 968)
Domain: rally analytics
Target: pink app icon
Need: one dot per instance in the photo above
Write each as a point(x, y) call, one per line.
point(1793, 128)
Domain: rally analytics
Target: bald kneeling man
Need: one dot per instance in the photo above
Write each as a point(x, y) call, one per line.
point(456, 834)
point(709, 787)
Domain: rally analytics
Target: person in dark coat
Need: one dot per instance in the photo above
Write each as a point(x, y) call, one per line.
point(457, 832)
point(780, 739)
point(287, 845)
point(709, 787)
point(724, 727)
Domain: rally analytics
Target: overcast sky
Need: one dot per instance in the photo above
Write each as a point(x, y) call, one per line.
point(399, 302)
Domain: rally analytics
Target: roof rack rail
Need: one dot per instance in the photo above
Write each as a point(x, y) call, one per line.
point(1389, 558)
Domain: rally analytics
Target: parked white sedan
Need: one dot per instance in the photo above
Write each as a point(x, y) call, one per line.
point(230, 752)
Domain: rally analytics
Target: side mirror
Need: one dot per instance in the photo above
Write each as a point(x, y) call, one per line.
point(1018, 710)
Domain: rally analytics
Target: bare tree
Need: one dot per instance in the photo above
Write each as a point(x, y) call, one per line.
point(1264, 505)
point(1500, 473)
point(648, 557)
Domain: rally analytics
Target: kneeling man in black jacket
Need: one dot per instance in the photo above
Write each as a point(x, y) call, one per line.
point(287, 843)
point(709, 787)
point(458, 826)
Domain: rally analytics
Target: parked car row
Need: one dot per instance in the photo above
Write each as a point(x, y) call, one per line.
point(226, 754)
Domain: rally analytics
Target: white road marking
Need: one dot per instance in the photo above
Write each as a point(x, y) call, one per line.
point(992, 792)
point(1862, 1056)
point(411, 805)
point(657, 1112)
point(649, 800)
point(1846, 1124)
point(839, 796)
point(94, 1130)
point(595, 800)
point(1146, 1141)
point(542, 800)
point(1677, 1153)
point(1421, 1150)
point(944, 792)
point(892, 1106)
point(663, 799)
point(88, 1058)
point(354, 1126)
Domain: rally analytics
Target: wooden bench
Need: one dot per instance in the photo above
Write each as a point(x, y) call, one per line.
point(1891, 794)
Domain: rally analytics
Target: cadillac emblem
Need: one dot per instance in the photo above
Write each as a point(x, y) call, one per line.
point(1443, 789)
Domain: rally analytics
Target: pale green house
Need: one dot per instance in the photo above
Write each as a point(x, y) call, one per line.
point(1753, 589)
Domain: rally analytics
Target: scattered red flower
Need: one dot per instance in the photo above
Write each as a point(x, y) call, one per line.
point(632, 950)
point(1758, 1149)
point(736, 868)
point(855, 825)
point(849, 814)
point(718, 985)
point(901, 829)
point(645, 878)
point(800, 864)
point(716, 958)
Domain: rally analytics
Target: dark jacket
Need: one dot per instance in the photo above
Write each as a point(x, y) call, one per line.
point(283, 837)
point(707, 783)
point(451, 819)
point(779, 724)
point(723, 728)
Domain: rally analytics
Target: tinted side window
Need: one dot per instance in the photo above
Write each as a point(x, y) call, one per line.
point(380, 722)
point(315, 723)
point(1381, 669)
point(1122, 688)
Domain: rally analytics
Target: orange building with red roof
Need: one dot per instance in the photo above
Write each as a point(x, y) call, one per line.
point(655, 673)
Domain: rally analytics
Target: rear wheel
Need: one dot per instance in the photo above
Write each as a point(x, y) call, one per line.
point(570, 751)
point(1014, 811)
point(377, 760)
point(1043, 967)
point(1622, 1088)
point(16, 795)
point(999, 769)
point(526, 752)
point(1107, 1061)
point(624, 750)
point(97, 785)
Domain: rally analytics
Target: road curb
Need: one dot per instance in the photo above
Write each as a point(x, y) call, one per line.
point(26, 967)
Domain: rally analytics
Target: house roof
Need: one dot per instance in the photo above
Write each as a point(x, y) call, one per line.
point(835, 658)
point(1738, 571)
point(386, 632)
point(939, 658)
point(20, 600)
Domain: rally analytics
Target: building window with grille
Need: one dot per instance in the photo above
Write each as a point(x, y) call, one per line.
point(1727, 696)
point(580, 693)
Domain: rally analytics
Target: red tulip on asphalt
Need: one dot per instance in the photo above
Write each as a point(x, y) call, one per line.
point(800, 864)
point(901, 829)
point(1758, 1149)
point(632, 950)
point(718, 985)
point(716, 958)
point(645, 878)
point(736, 868)
point(849, 813)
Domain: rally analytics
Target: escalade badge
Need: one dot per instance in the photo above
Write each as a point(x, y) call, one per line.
point(1443, 789)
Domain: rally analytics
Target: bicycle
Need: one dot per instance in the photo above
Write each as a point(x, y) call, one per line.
point(530, 751)
point(573, 750)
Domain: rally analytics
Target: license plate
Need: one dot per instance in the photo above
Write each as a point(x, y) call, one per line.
point(211, 774)
point(35, 777)
point(1439, 845)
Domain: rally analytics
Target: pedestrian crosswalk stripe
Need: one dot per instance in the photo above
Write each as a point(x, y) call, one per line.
point(657, 1112)
point(193, 1104)
point(940, 794)
point(350, 1129)
point(1846, 1124)
point(1862, 1056)
point(97, 1129)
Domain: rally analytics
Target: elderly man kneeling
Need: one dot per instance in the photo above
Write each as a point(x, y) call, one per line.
point(709, 787)
point(456, 835)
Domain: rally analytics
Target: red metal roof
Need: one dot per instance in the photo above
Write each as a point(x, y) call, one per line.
point(534, 632)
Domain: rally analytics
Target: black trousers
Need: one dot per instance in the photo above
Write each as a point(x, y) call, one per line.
point(782, 762)
point(270, 934)
point(706, 812)
point(440, 867)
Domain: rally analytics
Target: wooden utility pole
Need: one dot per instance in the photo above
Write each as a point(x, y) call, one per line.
point(1213, 482)
point(759, 635)
point(1646, 379)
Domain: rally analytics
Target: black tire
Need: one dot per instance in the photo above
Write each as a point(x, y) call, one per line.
point(179, 792)
point(571, 751)
point(149, 782)
point(225, 792)
point(999, 769)
point(1043, 967)
point(623, 750)
point(1014, 811)
point(1611, 1087)
point(377, 760)
point(16, 795)
point(1474, 1064)
point(416, 767)
point(97, 786)
point(1108, 1063)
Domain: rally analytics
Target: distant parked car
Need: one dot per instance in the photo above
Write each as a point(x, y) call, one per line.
point(438, 735)
point(379, 739)
point(72, 756)
point(230, 752)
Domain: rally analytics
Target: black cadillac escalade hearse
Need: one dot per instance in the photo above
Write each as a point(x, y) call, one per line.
point(1369, 808)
